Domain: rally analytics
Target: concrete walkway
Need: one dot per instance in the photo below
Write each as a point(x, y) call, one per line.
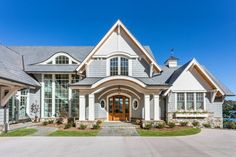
point(118, 129)
point(22, 125)
point(43, 131)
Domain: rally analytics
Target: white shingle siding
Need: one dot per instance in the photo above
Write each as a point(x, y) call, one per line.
point(2, 116)
point(140, 68)
point(215, 107)
point(97, 68)
point(99, 112)
point(171, 103)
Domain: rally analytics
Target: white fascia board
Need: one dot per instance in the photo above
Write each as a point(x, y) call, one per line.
point(194, 62)
point(118, 23)
point(53, 57)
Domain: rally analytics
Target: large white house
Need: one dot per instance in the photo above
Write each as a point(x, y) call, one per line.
point(119, 79)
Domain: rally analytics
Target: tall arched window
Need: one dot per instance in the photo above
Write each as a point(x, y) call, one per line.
point(114, 66)
point(124, 68)
point(62, 60)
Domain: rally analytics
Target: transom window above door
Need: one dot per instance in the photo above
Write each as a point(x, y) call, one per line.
point(119, 66)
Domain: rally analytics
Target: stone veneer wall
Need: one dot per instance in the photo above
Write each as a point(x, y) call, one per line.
point(214, 121)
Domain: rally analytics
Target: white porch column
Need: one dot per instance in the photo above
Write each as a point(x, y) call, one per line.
point(156, 107)
point(146, 107)
point(82, 107)
point(91, 107)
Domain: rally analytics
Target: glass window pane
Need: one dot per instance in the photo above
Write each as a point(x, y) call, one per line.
point(62, 60)
point(75, 103)
point(61, 94)
point(200, 101)
point(190, 101)
point(124, 68)
point(48, 95)
point(180, 101)
point(114, 66)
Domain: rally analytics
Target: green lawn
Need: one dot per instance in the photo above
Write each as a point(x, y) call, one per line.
point(75, 133)
point(180, 132)
point(20, 132)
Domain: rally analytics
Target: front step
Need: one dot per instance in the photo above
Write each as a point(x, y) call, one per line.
point(118, 129)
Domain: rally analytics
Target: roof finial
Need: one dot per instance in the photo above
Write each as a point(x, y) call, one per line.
point(172, 52)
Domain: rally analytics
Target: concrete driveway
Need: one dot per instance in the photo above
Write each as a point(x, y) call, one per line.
point(217, 143)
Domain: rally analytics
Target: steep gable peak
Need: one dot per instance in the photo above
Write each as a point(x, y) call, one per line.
point(119, 39)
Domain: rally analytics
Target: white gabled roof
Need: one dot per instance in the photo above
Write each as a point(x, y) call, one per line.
point(121, 25)
point(186, 67)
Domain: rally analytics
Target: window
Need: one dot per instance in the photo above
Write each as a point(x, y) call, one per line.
point(75, 103)
point(102, 103)
point(75, 78)
point(119, 66)
point(47, 95)
point(190, 101)
point(61, 94)
point(180, 101)
point(62, 60)
point(114, 66)
point(124, 66)
point(199, 101)
point(23, 104)
point(135, 104)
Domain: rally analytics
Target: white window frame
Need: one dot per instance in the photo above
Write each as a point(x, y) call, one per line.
point(194, 98)
point(53, 59)
point(119, 66)
point(104, 104)
point(133, 104)
point(53, 94)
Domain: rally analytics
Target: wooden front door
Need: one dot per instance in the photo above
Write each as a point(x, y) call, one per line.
point(118, 108)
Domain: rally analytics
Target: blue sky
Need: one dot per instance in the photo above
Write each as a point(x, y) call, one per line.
point(204, 29)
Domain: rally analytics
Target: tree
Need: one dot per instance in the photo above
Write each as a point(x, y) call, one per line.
point(35, 110)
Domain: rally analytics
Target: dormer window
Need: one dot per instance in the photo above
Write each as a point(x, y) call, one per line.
point(119, 66)
point(62, 60)
point(114, 66)
point(124, 68)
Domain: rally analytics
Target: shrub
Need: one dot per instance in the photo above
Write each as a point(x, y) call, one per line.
point(161, 125)
point(206, 125)
point(82, 126)
point(50, 121)
point(59, 121)
point(171, 124)
point(45, 123)
point(67, 126)
point(71, 121)
point(183, 123)
point(96, 126)
point(138, 122)
point(230, 125)
point(195, 123)
point(99, 122)
point(147, 126)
